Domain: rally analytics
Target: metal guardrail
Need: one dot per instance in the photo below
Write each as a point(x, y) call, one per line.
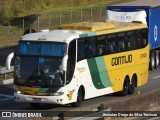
point(4, 71)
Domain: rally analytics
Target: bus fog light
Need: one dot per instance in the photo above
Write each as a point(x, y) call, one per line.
point(19, 92)
point(57, 94)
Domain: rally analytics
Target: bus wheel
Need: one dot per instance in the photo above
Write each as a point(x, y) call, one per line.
point(132, 86)
point(124, 92)
point(156, 59)
point(152, 61)
point(34, 105)
point(159, 56)
point(79, 99)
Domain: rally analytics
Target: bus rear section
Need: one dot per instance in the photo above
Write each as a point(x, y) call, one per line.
point(147, 13)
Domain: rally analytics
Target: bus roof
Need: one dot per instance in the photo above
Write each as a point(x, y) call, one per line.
point(54, 35)
point(104, 27)
point(149, 3)
point(68, 32)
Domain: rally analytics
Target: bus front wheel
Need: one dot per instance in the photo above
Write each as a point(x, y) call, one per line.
point(79, 99)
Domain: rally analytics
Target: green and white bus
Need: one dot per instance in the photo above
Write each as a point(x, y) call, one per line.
point(80, 61)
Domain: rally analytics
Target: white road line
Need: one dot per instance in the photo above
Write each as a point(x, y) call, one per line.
point(156, 77)
point(8, 97)
point(9, 86)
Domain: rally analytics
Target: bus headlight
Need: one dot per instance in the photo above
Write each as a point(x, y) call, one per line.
point(18, 91)
point(57, 94)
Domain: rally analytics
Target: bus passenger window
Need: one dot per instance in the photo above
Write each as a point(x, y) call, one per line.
point(111, 45)
point(128, 45)
point(110, 48)
point(144, 37)
point(121, 42)
point(90, 47)
point(138, 39)
point(130, 40)
point(81, 49)
point(101, 45)
point(121, 46)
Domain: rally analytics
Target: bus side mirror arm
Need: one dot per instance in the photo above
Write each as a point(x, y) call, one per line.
point(8, 60)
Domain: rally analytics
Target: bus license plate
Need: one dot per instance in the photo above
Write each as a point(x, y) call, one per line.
point(36, 99)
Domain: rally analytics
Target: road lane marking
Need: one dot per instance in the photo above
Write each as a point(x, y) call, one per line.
point(156, 77)
point(9, 86)
point(6, 97)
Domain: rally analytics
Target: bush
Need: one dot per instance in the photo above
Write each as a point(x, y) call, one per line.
point(6, 13)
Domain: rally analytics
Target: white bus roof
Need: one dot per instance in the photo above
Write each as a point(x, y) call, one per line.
point(54, 35)
point(68, 32)
point(151, 3)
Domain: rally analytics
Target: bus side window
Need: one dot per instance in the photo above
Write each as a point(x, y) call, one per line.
point(130, 40)
point(90, 47)
point(111, 44)
point(81, 49)
point(121, 42)
point(138, 39)
point(101, 45)
point(144, 37)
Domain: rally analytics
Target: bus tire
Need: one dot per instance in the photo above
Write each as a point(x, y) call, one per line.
point(159, 56)
point(124, 92)
point(132, 86)
point(79, 99)
point(34, 105)
point(152, 61)
point(156, 59)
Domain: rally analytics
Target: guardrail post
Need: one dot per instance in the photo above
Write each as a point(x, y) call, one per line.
point(60, 19)
point(49, 22)
point(71, 17)
point(9, 25)
point(91, 13)
point(81, 14)
point(23, 24)
point(38, 23)
point(100, 13)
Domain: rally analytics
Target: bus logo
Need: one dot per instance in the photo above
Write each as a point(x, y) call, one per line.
point(155, 33)
point(123, 17)
point(70, 94)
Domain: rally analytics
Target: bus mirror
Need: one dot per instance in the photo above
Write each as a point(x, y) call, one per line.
point(64, 62)
point(8, 60)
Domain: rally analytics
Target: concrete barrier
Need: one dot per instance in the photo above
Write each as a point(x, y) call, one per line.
point(143, 102)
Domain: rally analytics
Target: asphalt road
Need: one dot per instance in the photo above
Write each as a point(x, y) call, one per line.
point(7, 101)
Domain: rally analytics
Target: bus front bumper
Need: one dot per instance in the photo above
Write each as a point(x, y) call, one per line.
point(41, 99)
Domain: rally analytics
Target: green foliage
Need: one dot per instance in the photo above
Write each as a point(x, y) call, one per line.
point(12, 10)
point(6, 14)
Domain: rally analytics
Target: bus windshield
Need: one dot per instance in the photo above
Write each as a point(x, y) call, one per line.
point(38, 64)
point(36, 71)
point(52, 49)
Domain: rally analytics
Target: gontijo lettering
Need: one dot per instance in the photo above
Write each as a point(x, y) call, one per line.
point(121, 60)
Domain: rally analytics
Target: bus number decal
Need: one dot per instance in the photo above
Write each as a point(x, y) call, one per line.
point(121, 60)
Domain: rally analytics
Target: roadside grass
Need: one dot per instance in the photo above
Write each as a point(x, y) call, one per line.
point(50, 18)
